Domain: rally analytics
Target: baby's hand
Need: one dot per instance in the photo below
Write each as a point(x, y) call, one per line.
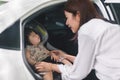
point(54, 56)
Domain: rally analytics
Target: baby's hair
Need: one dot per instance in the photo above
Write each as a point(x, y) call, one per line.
point(27, 33)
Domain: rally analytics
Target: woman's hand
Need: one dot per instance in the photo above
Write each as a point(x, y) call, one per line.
point(46, 67)
point(43, 66)
point(59, 53)
point(62, 55)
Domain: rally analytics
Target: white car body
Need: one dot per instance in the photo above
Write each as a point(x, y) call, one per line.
point(12, 64)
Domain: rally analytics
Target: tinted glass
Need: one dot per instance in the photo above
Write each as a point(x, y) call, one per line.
point(115, 7)
point(10, 38)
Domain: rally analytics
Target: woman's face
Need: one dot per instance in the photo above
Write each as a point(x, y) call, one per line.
point(34, 38)
point(73, 22)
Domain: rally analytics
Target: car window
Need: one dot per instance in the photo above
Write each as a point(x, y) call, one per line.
point(10, 38)
point(115, 7)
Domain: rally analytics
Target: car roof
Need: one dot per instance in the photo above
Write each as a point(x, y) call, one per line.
point(112, 1)
point(15, 9)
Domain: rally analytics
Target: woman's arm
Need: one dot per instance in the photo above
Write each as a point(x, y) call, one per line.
point(85, 58)
point(62, 54)
point(43, 67)
point(82, 64)
point(70, 58)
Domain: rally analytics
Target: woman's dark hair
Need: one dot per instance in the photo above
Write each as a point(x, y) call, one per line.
point(84, 7)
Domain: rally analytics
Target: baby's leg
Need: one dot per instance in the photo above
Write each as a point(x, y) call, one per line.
point(48, 76)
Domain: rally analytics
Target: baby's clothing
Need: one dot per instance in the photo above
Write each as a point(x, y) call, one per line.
point(38, 53)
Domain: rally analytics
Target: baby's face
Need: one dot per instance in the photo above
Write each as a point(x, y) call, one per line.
point(34, 38)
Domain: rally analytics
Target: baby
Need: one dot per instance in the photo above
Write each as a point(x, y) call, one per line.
point(35, 51)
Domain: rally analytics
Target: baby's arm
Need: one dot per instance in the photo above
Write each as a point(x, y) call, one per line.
point(60, 59)
point(64, 61)
point(28, 56)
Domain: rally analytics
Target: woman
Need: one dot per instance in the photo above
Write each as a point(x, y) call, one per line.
point(98, 45)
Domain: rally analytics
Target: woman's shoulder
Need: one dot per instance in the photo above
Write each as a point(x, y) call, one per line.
point(95, 27)
point(95, 24)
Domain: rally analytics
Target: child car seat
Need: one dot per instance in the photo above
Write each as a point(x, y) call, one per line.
point(40, 29)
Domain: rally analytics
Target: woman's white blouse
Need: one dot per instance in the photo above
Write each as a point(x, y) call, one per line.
point(99, 49)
